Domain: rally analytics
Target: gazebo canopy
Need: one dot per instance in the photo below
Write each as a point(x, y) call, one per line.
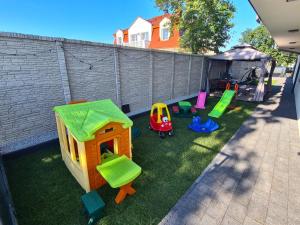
point(84, 119)
point(243, 52)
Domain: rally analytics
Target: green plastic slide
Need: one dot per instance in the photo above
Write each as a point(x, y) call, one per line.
point(221, 106)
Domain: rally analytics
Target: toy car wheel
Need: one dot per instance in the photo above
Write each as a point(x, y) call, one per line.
point(171, 133)
point(161, 134)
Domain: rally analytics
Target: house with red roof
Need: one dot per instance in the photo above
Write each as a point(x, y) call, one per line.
point(151, 33)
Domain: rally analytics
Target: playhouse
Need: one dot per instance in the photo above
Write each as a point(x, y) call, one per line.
point(92, 134)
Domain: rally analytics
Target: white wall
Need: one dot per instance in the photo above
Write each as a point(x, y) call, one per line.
point(119, 34)
point(139, 26)
point(297, 91)
point(239, 68)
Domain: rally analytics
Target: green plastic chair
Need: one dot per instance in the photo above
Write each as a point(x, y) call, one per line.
point(119, 173)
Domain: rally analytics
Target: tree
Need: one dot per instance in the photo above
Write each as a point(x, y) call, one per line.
point(261, 39)
point(204, 24)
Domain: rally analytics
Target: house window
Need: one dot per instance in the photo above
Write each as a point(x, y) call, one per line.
point(134, 37)
point(165, 34)
point(145, 36)
point(119, 40)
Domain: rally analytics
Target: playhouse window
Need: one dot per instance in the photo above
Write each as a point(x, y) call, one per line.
point(109, 130)
point(76, 150)
point(108, 150)
point(107, 147)
point(67, 138)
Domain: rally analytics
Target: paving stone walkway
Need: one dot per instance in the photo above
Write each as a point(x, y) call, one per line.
point(255, 179)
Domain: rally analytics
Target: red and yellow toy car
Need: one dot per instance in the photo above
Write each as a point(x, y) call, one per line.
point(160, 120)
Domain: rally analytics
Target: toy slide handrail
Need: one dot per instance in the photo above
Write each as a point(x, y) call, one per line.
point(228, 86)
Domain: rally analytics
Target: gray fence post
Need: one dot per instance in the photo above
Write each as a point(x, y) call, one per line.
point(63, 71)
point(151, 79)
point(173, 76)
point(117, 76)
point(202, 71)
point(189, 75)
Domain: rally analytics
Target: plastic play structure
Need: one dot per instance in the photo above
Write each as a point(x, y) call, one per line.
point(201, 100)
point(184, 109)
point(160, 120)
point(224, 102)
point(206, 127)
point(83, 130)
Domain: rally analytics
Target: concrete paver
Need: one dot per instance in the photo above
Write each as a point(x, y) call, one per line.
point(254, 180)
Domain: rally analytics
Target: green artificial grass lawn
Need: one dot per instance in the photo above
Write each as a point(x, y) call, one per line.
point(44, 191)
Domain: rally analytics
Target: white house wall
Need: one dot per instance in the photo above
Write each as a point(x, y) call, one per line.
point(119, 34)
point(239, 68)
point(139, 26)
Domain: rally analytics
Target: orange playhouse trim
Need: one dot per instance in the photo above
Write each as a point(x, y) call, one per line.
point(112, 131)
point(85, 130)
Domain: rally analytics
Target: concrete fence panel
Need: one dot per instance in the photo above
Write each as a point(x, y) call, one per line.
point(30, 87)
point(91, 71)
point(181, 75)
point(162, 76)
point(135, 72)
point(196, 71)
point(38, 73)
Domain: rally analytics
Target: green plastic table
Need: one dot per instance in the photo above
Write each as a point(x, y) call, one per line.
point(185, 106)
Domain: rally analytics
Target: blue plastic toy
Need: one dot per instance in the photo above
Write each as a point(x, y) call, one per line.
point(207, 127)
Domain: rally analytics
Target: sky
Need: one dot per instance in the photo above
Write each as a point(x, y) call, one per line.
point(94, 20)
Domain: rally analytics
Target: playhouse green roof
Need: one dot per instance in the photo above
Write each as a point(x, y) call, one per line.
point(84, 119)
